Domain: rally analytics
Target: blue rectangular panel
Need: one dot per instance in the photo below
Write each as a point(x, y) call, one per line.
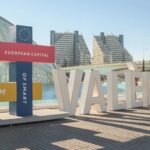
point(24, 88)
point(23, 34)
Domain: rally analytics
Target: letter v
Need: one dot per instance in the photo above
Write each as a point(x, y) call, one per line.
point(67, 100)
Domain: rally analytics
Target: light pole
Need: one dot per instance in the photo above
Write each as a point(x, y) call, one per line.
point(143, 64)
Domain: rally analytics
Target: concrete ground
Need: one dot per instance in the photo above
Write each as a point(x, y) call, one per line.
point(118, 130)
point(38, 116)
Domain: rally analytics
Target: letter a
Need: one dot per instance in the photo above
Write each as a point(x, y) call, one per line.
point(92, 79)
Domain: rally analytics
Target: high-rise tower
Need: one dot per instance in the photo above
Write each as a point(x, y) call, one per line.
point(70, 49)
point(109, 49)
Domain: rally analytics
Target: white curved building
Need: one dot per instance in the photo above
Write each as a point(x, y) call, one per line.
point(4, 29)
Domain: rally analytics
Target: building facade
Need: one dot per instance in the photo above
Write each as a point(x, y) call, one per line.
point(109, 49)
point(70, 49)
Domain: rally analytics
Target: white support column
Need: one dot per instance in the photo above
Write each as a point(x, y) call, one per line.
point(112, 100)
point(91, 82)
point(131, 89)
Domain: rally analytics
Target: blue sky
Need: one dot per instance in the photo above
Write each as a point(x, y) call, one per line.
point(90, 17)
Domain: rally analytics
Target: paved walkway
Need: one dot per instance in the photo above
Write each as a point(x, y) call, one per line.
point(118, 130)
point(38, 116)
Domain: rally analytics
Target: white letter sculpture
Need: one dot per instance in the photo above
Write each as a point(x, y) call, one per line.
point(92, 79)
point(132, 101)
point(67, 100)
point(112, 101)
point(146, 89)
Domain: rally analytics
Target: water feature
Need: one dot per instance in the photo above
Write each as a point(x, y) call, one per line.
point(49, 94)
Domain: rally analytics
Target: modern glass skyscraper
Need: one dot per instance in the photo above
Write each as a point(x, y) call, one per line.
point(70, 49)
point(109, 49)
